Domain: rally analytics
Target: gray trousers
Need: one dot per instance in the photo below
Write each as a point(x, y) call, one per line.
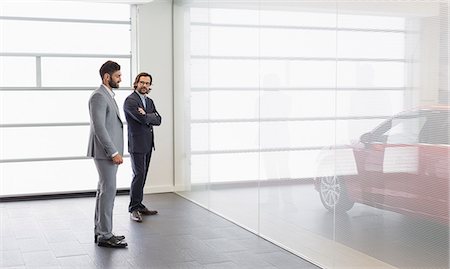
point(106, 192)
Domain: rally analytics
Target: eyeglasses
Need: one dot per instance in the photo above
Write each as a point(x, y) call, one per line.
point(145, 83)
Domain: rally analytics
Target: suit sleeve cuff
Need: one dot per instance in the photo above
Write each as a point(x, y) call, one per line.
point(114, 154)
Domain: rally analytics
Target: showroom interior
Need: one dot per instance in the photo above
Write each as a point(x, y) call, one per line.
point(319, 126)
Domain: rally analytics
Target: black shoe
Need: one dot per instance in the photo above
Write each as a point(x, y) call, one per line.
point(119, 237)
point(146, 211)
point(112, 242)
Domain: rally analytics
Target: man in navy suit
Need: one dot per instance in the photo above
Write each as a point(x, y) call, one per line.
point(141, 115)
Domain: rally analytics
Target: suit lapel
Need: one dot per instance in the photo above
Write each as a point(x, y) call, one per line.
point(136, 95)
point(111, 100)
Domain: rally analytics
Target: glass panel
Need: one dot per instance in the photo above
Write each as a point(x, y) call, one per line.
point(66, 10)
point(233, 73)
point(58, 105)
point(382, 103)
point(62, 37)
point(51, 106)
point(246, 73)
point(297, 43)
point(198, 15)
point(299, 165)
point(371, 45)
point(297, 104)
point(371, 74)
point(371, 22)
point(244, 107)
point(363, 174)
point(17, 71)
point(87, 68)
point(199, 44)
point(232, 41)
point(47, 106)
point(199, 73)
point(296, 18)
point(233, 16)
point(55, 177)
point(245, 167)
point(46, 142)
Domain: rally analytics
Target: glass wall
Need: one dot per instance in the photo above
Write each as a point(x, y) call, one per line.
point(321, 126)
point(50, 54)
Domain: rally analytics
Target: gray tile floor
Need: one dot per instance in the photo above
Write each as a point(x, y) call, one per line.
point(59, 234)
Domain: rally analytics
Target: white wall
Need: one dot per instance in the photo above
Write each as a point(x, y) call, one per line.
point(154, 50)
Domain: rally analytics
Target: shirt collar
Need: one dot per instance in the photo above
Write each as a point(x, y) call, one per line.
point(109, 91)
point(141, 95)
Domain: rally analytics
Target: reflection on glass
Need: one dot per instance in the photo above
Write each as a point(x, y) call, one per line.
point(342, 178)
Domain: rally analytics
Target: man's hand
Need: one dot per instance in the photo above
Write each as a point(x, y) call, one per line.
point(117, 159)
point(141, 110)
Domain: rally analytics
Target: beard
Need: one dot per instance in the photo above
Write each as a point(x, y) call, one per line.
point(113, 84)
point(142, 90)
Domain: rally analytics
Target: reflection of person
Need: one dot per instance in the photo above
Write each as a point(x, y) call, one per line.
point(141, 115)
point(106, 147)
point(275, 165)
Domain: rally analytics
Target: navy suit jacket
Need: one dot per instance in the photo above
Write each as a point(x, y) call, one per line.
point(140, 127)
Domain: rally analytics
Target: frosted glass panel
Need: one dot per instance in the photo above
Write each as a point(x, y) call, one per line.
point(47, 106)
point(382, 103)
point(199, 40)
point(199, 73)
point(371, 45)
point(229, 41)
point(297, 104)
point(40, 88)
point(245, 167)
point(199, 169)
point(244, 107)
point(52, 106)
point(12, 70)
point(295, 133)
point(233, 73)
point(310, 74)
point(68, 9)
point(225, 136)
point(371, 74)
point(237, 16)
point(37, 142)
point(53, 75)
point(55, 177)
point(296, 18)
point(371, 22)
point(36, 36)
point(297, 43)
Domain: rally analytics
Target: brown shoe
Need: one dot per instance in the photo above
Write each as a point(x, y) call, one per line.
point(136, 216)
point(146, 211)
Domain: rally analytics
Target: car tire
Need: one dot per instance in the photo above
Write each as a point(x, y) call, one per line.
point(333, 194)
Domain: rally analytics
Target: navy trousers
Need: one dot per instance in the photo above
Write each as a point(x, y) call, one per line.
point(140, 163)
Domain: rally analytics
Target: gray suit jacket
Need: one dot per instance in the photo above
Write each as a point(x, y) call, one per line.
point(106, 134)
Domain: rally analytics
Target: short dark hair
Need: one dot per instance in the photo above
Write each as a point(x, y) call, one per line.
point(138, 77)
point(109, 67)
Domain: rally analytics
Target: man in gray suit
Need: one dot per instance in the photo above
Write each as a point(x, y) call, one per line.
point(106, 147)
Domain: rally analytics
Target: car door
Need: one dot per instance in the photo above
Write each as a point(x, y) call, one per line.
point(391, 165)
point(433, 182)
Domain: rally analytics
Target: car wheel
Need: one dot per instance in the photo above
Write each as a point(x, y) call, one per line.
point(333, 194)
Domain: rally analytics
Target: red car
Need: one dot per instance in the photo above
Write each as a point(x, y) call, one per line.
point(402, 166)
